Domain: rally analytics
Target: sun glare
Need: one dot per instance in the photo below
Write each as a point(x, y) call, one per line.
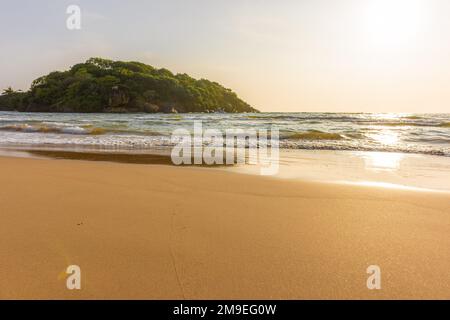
point(383, 160)
point(393, 24)
point(388, 138)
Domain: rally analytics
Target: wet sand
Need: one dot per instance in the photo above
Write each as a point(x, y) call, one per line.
point(164, 232)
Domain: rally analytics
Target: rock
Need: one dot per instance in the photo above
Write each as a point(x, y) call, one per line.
point(168, 108)
point(150, 108)
point(118, 98)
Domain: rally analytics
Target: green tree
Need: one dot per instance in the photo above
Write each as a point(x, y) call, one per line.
point(102, 85)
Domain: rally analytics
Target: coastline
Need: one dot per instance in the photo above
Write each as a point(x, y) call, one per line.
point(381, 169)
point(162, 232)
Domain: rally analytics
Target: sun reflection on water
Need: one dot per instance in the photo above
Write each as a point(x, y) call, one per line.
point(383, 160)
point(386, 137)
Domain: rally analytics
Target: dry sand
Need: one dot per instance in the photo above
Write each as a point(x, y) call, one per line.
point(161, 232)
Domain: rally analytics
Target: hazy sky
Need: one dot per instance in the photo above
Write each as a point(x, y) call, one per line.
point(300, 55)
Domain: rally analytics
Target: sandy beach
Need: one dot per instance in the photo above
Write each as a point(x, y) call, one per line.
point(163, 232)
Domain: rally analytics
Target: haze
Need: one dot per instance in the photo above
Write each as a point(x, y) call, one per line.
point(310, 55)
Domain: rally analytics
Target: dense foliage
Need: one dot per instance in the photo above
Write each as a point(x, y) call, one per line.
point(101, 85)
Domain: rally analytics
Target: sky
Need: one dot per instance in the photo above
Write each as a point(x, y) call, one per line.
point(299, 55)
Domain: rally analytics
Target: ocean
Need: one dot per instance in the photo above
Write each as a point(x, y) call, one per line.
point(403, 133)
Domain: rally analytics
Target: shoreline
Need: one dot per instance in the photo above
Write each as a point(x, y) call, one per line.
point(161, 232)
point(379, 169)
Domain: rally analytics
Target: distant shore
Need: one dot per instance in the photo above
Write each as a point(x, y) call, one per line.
point(163, 232)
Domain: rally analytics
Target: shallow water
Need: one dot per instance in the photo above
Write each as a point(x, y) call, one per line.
point(365, 168)
point(405, 133)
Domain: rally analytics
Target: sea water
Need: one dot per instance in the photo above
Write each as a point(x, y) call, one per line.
point(401, 133)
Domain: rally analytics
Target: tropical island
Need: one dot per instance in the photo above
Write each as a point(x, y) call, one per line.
point(101, 85)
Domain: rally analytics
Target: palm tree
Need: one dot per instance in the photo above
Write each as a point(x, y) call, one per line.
point(8, 90)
